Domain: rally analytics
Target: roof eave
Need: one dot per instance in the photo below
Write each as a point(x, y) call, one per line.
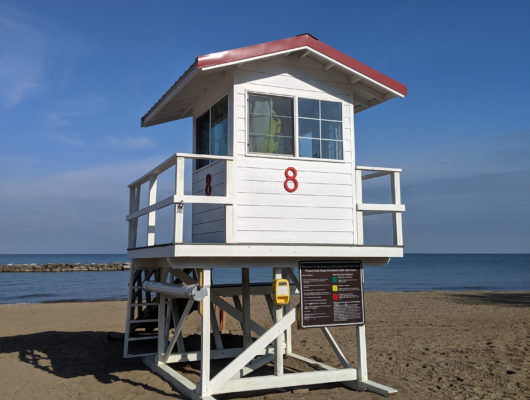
point(191, 72)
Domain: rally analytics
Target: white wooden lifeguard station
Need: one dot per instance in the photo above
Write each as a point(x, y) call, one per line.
point(272, 183)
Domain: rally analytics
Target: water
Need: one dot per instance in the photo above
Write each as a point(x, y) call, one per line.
point(415, 272)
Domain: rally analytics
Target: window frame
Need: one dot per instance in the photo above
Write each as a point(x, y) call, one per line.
point(296, 150)
point(321, 139)
point(247, 133)
point(195, 132)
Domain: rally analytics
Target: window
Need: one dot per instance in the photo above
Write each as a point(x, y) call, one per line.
point(211, 130)
point(271, 124)
point(320, 129)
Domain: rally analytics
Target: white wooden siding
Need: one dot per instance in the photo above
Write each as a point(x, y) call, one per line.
point(208, 220)
point(321, 209)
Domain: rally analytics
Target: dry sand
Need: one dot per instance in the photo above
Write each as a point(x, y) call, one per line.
point(434, 345)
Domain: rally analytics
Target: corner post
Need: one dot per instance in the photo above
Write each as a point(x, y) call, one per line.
point(151, 217)
point(359, 214)
point(134, 204)
point(397, 216)
point(229, 208)
point(178, 222)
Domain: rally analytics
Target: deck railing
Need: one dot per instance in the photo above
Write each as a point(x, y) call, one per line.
point(178, 198)
point(395, 208)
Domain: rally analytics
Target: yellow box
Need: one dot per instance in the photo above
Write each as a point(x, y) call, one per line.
point(281, 291)
point(335, 288)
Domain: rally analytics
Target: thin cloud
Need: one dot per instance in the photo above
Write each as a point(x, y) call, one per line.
point(22, 60)
point(128, 142)
point(29, 49)
point(68, 139)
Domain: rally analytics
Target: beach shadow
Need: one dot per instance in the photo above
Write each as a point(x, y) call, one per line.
point(492, 298)
point(74, 354)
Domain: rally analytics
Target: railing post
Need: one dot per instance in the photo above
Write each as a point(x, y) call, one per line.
point(134, 205)
point(178, 223)
point(151, 217)
point(397, 216)
point(359, 223)
point(229, 208)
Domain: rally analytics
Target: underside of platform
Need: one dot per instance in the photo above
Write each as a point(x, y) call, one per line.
point(195, 255)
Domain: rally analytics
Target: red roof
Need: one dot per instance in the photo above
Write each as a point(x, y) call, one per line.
point(300, 41)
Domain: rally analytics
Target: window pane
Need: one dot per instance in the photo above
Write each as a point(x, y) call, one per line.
point(309, 148)
point(331, 110)
point(215, 113)
point(331, 130)
point(282, 106)
point(260, 124)
point(270, 144)
point(223, 108)
point(308, 128)
point(260, 104)
point(308, 108)
point(282, 126)
point(270, 124)
point(202, 136)
point(219, 138)
point(332, 149)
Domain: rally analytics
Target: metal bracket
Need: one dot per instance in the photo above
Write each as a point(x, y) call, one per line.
point(180, 206)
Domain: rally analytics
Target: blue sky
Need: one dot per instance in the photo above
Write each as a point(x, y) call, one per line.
point(75, 78)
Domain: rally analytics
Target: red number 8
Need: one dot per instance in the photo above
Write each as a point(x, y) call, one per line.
point(290, 176)
point(208, 187)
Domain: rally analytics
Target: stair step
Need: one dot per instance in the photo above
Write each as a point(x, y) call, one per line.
point(134, 339)
point(143, 304)
point(139, 321)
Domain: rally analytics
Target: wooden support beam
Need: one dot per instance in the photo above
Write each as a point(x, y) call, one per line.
point(368, 90)
point(280, 340)
point(305, 54)
point(244, 358)
point(245, 281)
point(204, 384)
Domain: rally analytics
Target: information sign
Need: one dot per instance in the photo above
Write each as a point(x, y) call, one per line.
point(331, 293)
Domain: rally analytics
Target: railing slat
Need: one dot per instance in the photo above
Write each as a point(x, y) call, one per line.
point(134, 204)
point(151, 217)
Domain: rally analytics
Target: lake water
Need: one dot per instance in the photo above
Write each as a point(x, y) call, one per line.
point(415, 272)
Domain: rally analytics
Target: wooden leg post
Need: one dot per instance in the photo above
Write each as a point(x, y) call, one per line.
point(280, 340)
point(203, 387)
point(362, 368)
point(245, 278)
point(288, 331)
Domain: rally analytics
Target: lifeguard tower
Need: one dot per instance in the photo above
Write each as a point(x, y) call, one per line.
point(272, 183)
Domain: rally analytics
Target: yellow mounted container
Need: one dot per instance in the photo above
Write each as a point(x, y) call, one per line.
point(281, 291)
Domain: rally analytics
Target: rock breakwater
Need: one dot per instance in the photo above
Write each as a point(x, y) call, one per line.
point(118, 266)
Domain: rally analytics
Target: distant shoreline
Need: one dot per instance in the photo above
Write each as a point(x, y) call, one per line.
point(66, 267)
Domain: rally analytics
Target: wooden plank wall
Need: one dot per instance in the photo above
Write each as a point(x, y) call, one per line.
point(321, 210)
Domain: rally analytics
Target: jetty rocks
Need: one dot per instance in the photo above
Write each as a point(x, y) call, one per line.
point(118, 266)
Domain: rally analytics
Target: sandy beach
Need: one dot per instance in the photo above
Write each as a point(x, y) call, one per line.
point(434, 345)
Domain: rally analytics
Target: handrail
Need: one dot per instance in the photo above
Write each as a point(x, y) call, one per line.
point(170, 161)
point(178, 198)
point(364, 168)
point(395, 208)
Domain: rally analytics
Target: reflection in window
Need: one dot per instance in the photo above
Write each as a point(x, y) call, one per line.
point(271, 124)
point(320, 129)
point(211, 131)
